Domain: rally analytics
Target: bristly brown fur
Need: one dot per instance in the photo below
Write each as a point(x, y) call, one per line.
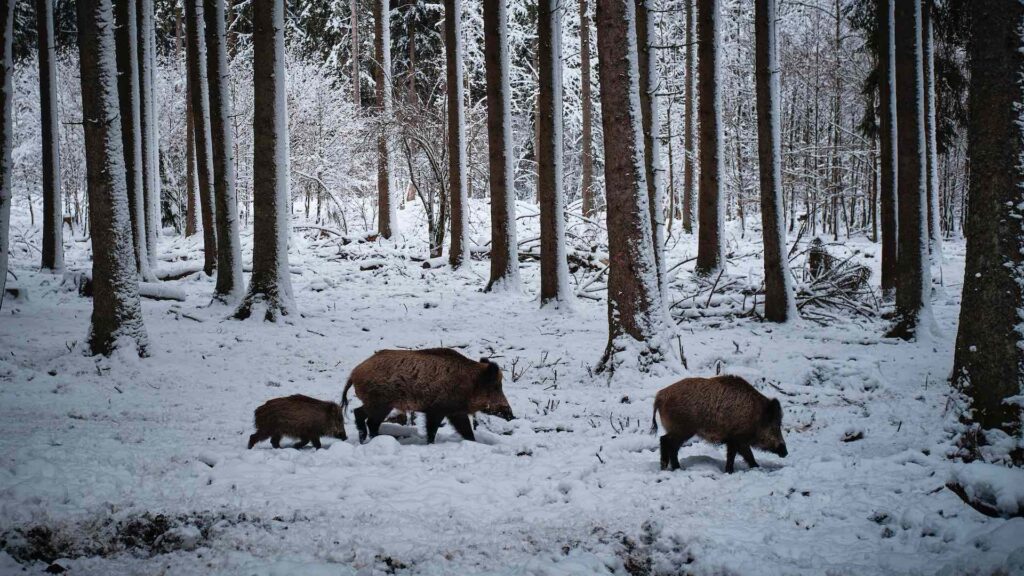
point(300, 417)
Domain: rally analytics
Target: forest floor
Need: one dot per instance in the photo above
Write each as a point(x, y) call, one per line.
point(139, 466)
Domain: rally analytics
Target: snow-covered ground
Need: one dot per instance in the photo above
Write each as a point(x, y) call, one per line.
point(121, 465)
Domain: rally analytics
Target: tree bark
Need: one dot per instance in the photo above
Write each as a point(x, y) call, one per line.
point(6, 135)
point(779, 297)
point(229, 250)
point(387, 218)
point(587, 102)
point(554, 268)
point(270, 285)
point(126, 38)
point(887, 144)
point(636, 314)
point(116, 312)
point(53, 214)
point(195, 59)
point(651, 123)
point(913, 306)
point(150, 128)
point(504, 248)
point(689, 124)
point(711, 209)
point(932, 155)
point(459, 252)
point(989, 362)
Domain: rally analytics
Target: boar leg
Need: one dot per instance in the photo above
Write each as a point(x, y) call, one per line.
point(748, 456)
point(670, 451)
point(433, 423)
point(316, 442)
point(360, 416)
point(730, 457)
point(374, 418)
point(302, 443)
point(257, 438)
point(461, 424)
point(275, 440)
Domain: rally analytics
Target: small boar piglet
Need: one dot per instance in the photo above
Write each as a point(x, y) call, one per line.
point(300, 417)
point(721, 410)
point(439, 382)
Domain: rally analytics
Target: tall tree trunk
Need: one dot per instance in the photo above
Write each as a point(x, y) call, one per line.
point(587, 103)
point(989, 362)
point(504, 248)
point(127, 50)
point(270, 285)
point(191, 184)
point(647, 63)
point(711, 209)
point(116, 310)
point(53, 214)
point(150, 127)
point(554, 268)
point(387, 217)
point(690, 123)
point(195, 59)
point(913, 285)
point(887, 144)
point(459, 252)
point(411, 97)
point(837, 122)
point(636, 314)
point(229, 250)
point(354, 32)
point(779, 297)
point(6, 135)
point(932, 155)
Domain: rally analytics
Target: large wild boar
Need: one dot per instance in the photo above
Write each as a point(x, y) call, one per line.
point(723, 410)
point(300, 417)
point(439, 382)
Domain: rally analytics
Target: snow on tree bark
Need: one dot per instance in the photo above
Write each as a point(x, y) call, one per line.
point(504, 247)
point(711, 208)
point(6, 135)
point(554, 267)
point(780, 299)
point(913, 285)
point(150, 127)
point(690, 123)
point(117, 312)
point(636, 314)
point(357, 98)
point(387, 216)
point(131, 128)
point(229, 250)
point(989, 358)
point(459, 251)
point(270, 285)
point(53, 214)
point(934, 230)
point(587, 191)
point(886, 56)
point(651, 122)
point(195, 59)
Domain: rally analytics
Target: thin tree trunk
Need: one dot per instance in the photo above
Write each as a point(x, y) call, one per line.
point(779, 297)
point(913, 285)
point(459, 204)
point(636, 314)
point(191, 184)
point(356, 78)
point(651, 123)
point(195, 49)
point(116, 312)
point(229, 250)
point(887, 144)
point(554, 268)
point(932, 176)
point(690, 122)
point(131, 126)
point(150, 128)
point(504, 248)
point(53, 214)
point(711, 209)
point(270, 285)
point(587, 103)
point(387, 217)
point(6, 135)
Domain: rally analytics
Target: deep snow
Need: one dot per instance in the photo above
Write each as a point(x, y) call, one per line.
point(95, 449)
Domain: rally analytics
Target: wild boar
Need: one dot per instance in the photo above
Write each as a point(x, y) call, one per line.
point(439, 382)
point(300, 417)
point(722, 410)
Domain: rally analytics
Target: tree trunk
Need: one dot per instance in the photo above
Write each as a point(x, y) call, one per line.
point(711, 210)
point(195, 59)
point(913, 302)
point(554, 268)
point(229, 250)
point(356, 78)
point(989, 362)
point(504, 248)
point(53, 214)
point(150, 128)
point(932, 155)
point(651, 123)
point(779, 297)
point(689, 123)
point(270, 285)
point(459, 252)
point(191, 185)
point(116, 312)
point(636, 314)
point(887, 144)
point(587, 103)
point(131, 127)
point(387, 217)
point(6, 135)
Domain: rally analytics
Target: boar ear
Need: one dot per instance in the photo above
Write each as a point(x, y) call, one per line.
point(773, 411)
point(490, 374)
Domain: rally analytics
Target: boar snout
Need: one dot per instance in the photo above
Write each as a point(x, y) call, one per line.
point(781, 450)
point(500, 411)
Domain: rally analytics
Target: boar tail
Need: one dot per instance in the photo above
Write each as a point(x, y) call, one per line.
point(344, 395)
point(654, 417)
